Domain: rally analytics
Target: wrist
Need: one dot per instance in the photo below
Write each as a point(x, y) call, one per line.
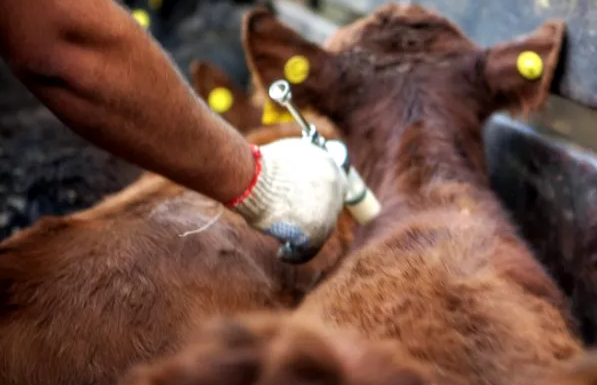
point(252, 202)
point(257, 172)
point(266, 188)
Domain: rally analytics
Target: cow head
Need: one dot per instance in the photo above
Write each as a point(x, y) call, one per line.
point(404, 63)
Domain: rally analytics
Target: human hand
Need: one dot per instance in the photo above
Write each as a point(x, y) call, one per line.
point(298, 195)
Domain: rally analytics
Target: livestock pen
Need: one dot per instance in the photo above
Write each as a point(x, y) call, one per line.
point(543, 168)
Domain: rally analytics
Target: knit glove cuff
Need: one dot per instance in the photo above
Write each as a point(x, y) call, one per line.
point(297, 195)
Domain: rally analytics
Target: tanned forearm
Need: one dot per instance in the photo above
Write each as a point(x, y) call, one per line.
point(110, 82)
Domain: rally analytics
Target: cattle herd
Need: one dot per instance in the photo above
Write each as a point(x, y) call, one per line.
point(439, 290)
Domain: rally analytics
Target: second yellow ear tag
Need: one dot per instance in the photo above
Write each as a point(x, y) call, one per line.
point(272, 116)
point(142, 17)
point(296, 69)
point(530, 65)
point(220, 99)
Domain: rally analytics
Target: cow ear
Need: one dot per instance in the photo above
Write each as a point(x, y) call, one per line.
point(223, 96)
point(519, 73)
point(275, 52)
point(206, 78)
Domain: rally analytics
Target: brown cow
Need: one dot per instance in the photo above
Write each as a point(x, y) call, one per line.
point(440, 289)
point(86, 296)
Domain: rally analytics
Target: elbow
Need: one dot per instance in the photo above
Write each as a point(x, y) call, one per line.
point(32, 41)
point(59, 60)
point(29, 66)
point(60, 47)
point(36, 55)
point(76, 46)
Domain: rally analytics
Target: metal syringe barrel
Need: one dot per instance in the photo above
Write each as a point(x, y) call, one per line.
point(359, 200)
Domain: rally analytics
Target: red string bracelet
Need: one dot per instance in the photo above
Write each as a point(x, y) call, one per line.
point(257, 156)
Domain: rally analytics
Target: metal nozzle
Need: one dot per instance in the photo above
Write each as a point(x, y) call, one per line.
point(280, 92)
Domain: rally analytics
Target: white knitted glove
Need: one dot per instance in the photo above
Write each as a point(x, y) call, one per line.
point(297, 197)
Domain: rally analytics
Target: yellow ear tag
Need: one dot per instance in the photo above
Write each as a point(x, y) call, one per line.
point(220, 99)
point(530, 65)
point(272, 116)
point(296, 69)
point(142, 17)
point(155, 4)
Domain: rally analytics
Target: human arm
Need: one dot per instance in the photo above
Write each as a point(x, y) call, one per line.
point(111, 83)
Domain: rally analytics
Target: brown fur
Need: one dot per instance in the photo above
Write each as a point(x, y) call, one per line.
point(281, 349)
point(86, 296)
point(272, 349)
point(441, 279)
